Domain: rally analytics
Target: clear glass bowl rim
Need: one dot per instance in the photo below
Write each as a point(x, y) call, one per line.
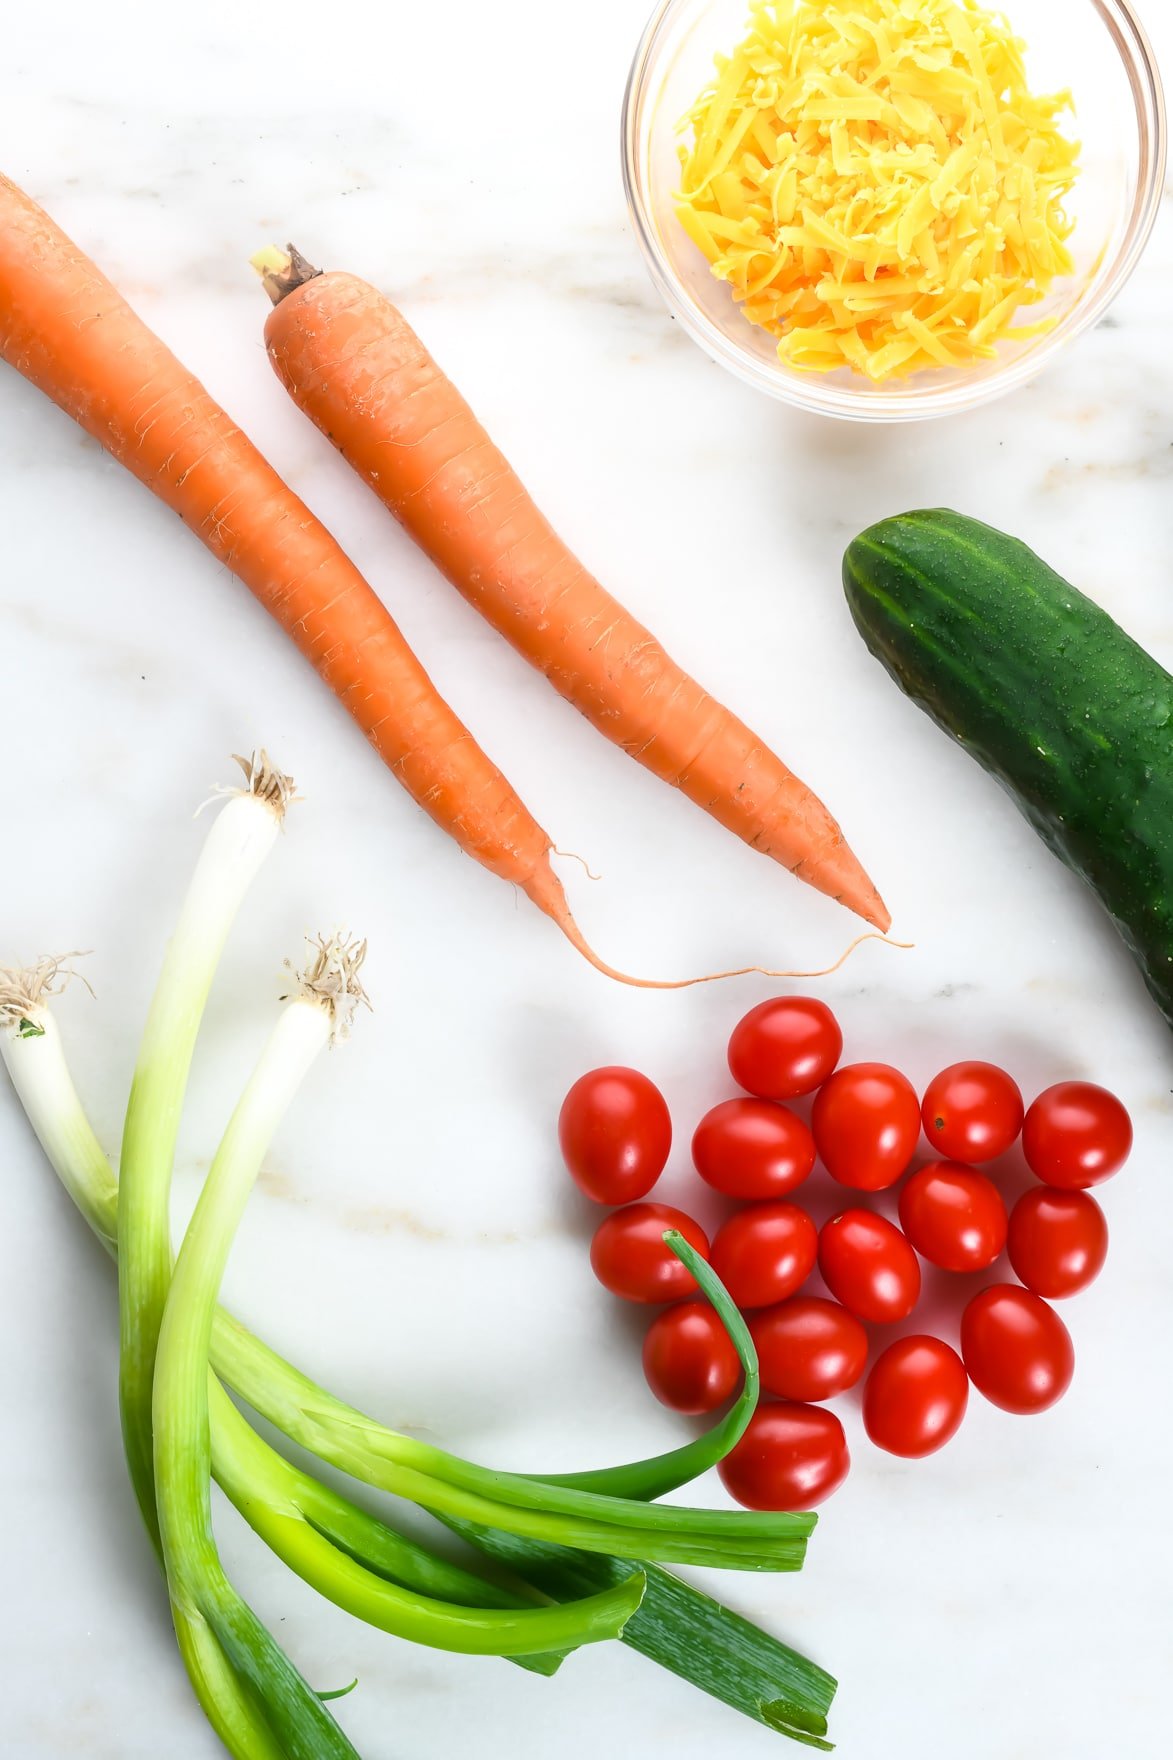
point(1140, 65)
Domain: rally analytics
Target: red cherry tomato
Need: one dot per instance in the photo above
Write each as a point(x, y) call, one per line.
point(785, 1047)
point(791, 1457)
point(689, 1359)
point(866, 1123)
point(1058, 1241)
point(972, 1111)
point(808, 1348)
point(615, 1134)
point(629, 1257)
point(752, 1149)
point(1076, 1135)
point(869, 1266)
point(763, 1254)
point(1017, 1350)
point(915, 1397)
point(954, 1217)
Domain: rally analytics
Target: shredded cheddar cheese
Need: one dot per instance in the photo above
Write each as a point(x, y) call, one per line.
point(878, 184)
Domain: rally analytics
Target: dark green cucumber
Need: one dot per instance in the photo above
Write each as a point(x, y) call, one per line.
point(1046, 692)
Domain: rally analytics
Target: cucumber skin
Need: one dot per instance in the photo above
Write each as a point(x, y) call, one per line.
point(1043, 689)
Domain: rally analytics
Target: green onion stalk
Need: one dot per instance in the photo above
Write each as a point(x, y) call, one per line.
point(206, 1607)
point(676, 1625)
point(241, 836)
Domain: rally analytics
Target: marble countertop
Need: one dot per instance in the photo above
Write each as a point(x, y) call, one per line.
point(414, 1240)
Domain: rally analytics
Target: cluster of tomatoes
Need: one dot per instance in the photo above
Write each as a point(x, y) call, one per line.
point(865, 1125)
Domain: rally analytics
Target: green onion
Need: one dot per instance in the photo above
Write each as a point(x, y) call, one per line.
point(40, 1075)
point(232, 1713)
point(270, 1493)
point(240, 838)
point(201, 1595)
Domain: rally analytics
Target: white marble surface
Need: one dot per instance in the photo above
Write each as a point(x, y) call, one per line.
point(414, 1239)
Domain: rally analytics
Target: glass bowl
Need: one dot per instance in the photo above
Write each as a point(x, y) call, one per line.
point(1096, 47)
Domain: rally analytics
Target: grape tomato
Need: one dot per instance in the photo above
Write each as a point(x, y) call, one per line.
point(1076, 1135)
point(954, 1216)
point(808, 1348)
point(630, 1258)
point(866, 1124)
point(1017, 1350)
point(1058, 1241)
point(972, 1111)
point(764, 1253)
point(752, 1149)
point(915, 1397)
point(869, 1266)
point(615, 1133)
point(785, 1047)
point(689, 1359)
point(791, 1457)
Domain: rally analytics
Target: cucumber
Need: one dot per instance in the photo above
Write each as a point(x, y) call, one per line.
point(1047, 692)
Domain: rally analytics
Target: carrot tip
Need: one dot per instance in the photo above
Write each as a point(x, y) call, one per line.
point(880, 917)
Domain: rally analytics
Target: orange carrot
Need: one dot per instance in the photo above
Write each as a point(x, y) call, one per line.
point(68, 330)
point(353, 364)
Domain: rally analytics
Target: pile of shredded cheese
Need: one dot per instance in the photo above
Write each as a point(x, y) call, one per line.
point(878, 184)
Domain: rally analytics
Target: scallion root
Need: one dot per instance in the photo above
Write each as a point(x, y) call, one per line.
point(23, 989)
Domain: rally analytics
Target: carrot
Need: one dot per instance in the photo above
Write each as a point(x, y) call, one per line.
point(351, 361)
point(68, 330)
point(70, 333)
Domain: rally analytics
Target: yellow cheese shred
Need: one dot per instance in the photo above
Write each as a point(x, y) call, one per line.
point(878, 184)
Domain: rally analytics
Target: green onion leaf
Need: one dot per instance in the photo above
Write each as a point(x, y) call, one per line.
point(686, 1631)
point(663, 1473)
point(337, 1692)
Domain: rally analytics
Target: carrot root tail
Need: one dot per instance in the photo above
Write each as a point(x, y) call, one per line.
point(572, 855)
point(546, 891)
